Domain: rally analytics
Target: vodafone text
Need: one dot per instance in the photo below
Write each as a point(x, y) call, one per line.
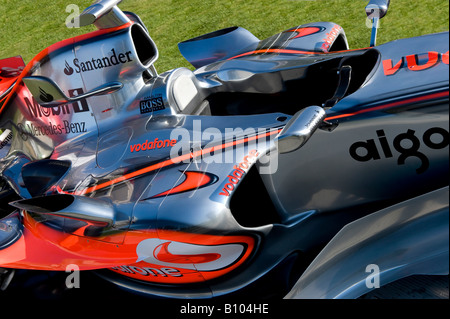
point(239, 171)
point(150, 145)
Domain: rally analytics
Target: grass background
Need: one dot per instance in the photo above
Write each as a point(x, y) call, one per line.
point(28, 26)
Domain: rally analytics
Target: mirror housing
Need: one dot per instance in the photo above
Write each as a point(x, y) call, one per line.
point(48, 94)
point(299, 129)
point(377, 8)
point(103, 14)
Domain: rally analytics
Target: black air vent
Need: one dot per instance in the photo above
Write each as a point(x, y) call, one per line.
point(145, 47)
point(251, 205)
point(39, 176)
point(7, 195)
point(45, 204)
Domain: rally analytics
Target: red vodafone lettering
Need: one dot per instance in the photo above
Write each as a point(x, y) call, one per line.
point(330, 38)
point(156, 143)
point(412, 62)
point(389, 69)
point(445, 58)
point(238, 173)
point(413, 65)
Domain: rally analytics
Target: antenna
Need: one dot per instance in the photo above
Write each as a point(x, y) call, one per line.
point(376, 10)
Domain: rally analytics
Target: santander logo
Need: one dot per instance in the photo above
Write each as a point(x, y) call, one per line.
point(188, 256)
point(68, 70)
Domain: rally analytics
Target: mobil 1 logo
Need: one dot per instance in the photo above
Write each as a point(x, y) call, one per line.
point(52, 121)
point(152, 104)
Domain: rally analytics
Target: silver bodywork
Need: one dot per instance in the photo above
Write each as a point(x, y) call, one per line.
point(406, 239)
point(321, 199)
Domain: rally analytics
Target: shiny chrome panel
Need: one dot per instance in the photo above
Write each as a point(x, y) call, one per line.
point(48, 93)
point(405, 239)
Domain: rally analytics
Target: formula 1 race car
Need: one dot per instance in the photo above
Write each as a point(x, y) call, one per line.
point(283, 167)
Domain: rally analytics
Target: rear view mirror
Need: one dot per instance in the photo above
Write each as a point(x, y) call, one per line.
point(299, 129)
point(103, 14)
point(377, 8)
point(48, 94)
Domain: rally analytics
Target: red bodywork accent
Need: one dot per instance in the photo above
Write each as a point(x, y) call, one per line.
point(10, 70)
point(302, 32)
point(164, 255)
point(193, 180)
point(44, 248)
point(159, 274)
point(391, 105)
point(290, 51)
point(263, 51)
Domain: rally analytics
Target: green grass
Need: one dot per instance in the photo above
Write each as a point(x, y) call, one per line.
point(28, 26)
